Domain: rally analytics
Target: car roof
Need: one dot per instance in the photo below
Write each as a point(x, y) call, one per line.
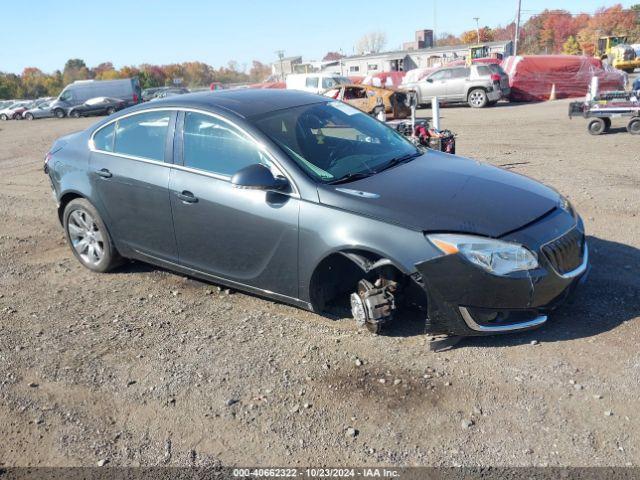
point(243, 102)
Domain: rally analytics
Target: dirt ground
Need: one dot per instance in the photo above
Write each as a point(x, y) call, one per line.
point(144, 367)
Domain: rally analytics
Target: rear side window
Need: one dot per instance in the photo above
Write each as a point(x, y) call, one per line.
point(495, 68)
point(103, 139)
point(460, 72)
point(483, 71)
point(312, 82)
point(216, 146)
point(143, 135)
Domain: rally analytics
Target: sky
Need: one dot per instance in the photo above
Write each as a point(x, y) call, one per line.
point(46, 33)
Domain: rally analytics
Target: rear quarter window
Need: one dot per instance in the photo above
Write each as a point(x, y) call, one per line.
point(103, 138)
point(483, 71)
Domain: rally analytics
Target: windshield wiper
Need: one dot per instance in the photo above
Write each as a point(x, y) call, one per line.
point(397, 160)
point(350, 177)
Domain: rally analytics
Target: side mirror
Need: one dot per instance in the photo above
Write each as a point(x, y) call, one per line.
point(257, 177)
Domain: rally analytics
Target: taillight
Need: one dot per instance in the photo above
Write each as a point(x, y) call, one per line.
point(495, 77)
point(135, 98)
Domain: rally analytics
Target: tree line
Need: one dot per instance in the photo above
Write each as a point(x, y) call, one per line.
point(549, 32)
point(558, 31)
point(34, 83)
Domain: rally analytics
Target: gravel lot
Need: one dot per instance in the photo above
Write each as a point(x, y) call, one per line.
point(144, 367)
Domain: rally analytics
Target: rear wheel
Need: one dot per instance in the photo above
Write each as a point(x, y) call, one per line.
point(633, 127)
point(477, 98)
point(59, 113)
point(88, 236)
point(597, 126)
point(28, 116)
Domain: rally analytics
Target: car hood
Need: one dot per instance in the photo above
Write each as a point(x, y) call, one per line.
point(437, 192)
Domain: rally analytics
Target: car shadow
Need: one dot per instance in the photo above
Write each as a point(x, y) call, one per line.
point(609, 297)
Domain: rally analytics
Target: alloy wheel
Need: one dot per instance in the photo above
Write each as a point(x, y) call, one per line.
point(86, 237)
point(476, 98)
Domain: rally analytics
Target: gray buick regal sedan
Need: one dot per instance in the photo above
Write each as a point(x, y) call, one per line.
point(308, 201)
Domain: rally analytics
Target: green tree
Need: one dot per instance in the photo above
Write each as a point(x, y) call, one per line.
point(571, 46)
point(74, 69)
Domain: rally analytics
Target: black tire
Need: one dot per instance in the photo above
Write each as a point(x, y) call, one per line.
point(633, 127)
point(596, 126)
point(28, 116)
point(82, 223)
point(111, 111)
point(59, 113)
point(607, 124)
point(74, 114)
point(477, 98)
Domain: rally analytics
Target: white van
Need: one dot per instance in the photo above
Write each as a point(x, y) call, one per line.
point(315, 82)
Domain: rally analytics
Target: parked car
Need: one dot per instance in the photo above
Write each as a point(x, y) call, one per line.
point(170, 92)
point(6, 103)
point(43, 110)
point(78, 92)
point(309, 201)
point(475, 85)
point(150, 93)
point(366, 98)
point(315, 82)
point(15, 110)
point(97, 106)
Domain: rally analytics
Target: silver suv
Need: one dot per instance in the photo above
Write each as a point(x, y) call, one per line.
point(478, 85)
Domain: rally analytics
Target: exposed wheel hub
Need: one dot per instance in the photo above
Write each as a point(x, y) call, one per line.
point(372, 305)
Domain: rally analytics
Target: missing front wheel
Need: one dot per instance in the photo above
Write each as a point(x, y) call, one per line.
point(372, 305)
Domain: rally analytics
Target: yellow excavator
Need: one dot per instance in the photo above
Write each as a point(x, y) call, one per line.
point(617, 52)
point(481, 51)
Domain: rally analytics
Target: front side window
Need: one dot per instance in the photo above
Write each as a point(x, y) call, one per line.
point(66, 96)
point(217, 147)
point(333, 141)
point(441, 75)
point(103, 139)
point(143, 135)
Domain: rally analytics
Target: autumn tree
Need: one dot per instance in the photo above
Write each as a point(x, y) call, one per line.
point(259, 71)
point(74, 69)
point(372, 42)
point(332, 57)
point(571, 46)
point(470, 37)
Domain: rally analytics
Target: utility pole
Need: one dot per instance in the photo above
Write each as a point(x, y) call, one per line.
point(477, 19)
point(515, 41)
point(435, 23)
point(280, 54)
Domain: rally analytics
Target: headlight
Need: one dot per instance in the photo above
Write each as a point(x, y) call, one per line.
point(494, 256)
point(565, 205)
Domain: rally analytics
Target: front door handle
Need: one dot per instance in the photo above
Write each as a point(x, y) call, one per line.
point(187, 197)
point(104, 173)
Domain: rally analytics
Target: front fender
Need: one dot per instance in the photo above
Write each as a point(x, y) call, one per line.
point(326, 230)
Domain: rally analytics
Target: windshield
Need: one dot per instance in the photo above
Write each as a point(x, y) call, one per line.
point(333, 141)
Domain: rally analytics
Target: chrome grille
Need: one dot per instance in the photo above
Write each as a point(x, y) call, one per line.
point(565, 253)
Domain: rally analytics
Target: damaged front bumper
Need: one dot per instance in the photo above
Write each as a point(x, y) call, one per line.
point(464, 299)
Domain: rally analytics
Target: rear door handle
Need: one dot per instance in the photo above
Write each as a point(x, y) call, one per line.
point(187, 197)
point(104, 173)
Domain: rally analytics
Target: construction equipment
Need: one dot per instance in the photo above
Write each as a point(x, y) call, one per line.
point(615, 51)
point(481, 51)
